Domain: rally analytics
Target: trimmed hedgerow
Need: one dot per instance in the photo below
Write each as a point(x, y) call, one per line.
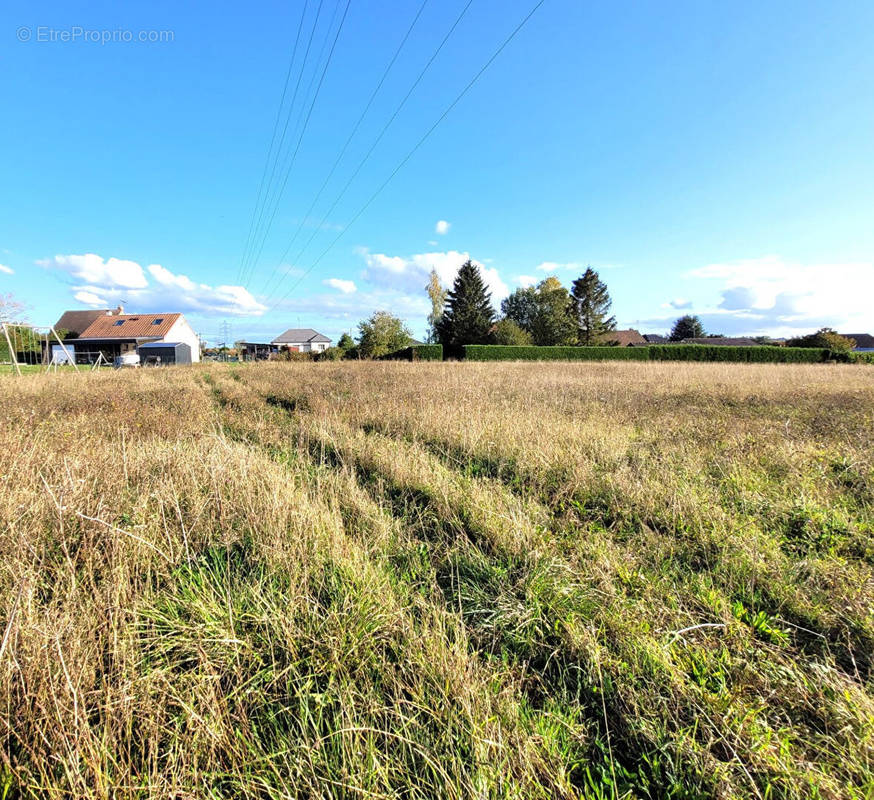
point(857, 357)
point(501, 352)
point(417, 352)
point(669, 352)
point(760, 354)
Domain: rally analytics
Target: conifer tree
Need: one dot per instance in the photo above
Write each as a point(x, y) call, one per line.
point(687, 327)
point(468, 315)
point(590, 304)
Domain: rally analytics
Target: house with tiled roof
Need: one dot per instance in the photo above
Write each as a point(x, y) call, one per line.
point(114, 333)
point(302, 340)
point(723, 341)
point(624, 338)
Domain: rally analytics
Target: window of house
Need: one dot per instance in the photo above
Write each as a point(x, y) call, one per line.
point(119, 322)
point(157, 321)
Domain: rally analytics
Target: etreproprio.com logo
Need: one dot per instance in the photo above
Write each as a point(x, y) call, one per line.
point(102, 36)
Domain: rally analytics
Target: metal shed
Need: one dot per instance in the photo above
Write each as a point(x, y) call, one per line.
point(154, 354)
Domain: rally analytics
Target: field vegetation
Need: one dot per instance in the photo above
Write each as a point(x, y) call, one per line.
point(438, 580)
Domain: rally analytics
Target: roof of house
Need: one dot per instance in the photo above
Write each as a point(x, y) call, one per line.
point(156, 345)
point(655, 338)
point(130, 326)
point(863, 340)
point(726, 341)
point(623, 338)
point(78, 320)
point(299, 335)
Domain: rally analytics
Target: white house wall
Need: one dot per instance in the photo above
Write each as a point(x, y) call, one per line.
point(181, 331)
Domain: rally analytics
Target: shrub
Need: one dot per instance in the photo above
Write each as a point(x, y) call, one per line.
point(508, 332)
point(711, 352)
point(854, 357)
point(293, 355)
point(416, 352)
point(331, 354)
point(497, 352)
point(824, 338)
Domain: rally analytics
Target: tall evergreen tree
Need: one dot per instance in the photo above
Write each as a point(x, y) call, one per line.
point(687, 327)
point(468, 315)
point(590, 304)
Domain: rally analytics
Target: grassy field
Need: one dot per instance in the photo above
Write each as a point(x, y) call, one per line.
point(438, 581)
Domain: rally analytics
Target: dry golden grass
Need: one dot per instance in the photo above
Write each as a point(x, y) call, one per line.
point(438, 580)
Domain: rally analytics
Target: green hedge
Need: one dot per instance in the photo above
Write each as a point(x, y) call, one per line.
point(506, 352)
point(668, 352)
point(418, 352)
point(761, 354)
point(857, 357)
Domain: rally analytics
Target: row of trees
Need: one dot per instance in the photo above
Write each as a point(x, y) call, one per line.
point(546, 314)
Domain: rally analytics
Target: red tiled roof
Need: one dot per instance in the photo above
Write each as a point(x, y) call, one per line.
point(130, 326)
point(622, 338)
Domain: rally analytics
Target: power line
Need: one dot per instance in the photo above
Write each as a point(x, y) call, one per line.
point(410, 154)
point(272, 138)
point(273, 202)
point(300, 138)
point(378, 138)
point(284, 131)
point(350, 138)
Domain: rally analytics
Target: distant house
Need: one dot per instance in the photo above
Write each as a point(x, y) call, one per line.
point(725, 341)
point(114, 333)
point(302, 340)
point(626, 338)
point(655, 338)
point(864, 341)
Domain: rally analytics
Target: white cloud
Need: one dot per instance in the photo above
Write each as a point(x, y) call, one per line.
point(91, 268)
point(6, 270)
point(678, 302)
point(442, 227)
point(411, 273)
point(347, 287)
point(527, 280)
point(114, 280)
point(90, 299)
point(773, 296)
point(554, 266)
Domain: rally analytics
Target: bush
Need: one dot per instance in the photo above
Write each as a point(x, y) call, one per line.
point(331, 354)
point(497, 352)
point(711, 352)
point(824, 338)
point(293, 355)
point(855, 358)
point(508, 332)
point(416, 352)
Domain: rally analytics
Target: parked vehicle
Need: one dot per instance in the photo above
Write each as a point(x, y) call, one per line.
point(126, 360)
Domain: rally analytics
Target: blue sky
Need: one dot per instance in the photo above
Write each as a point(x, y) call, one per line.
point(705, 157)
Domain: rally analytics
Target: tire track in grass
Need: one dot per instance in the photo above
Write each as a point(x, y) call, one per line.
point(469, 577)
point(849, 640)
point(812, 720)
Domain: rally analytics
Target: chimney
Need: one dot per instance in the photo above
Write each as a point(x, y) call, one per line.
point(119, 310)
